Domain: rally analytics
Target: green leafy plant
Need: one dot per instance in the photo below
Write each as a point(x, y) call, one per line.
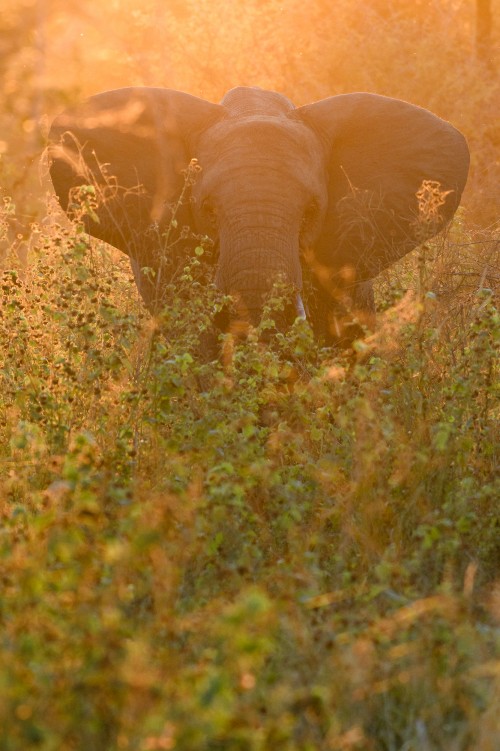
point(276, 546)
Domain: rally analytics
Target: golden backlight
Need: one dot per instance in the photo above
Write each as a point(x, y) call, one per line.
point(55, 52)
point(218, 542)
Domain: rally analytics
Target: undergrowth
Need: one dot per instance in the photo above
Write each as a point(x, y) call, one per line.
point(284, 548)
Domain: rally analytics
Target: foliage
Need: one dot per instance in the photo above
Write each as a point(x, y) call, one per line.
point(55, 53)
point(282, 548)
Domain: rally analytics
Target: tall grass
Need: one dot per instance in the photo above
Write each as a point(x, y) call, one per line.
point(54, 54)
point(285, 548)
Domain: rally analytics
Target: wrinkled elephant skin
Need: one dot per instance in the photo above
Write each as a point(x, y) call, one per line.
point(334, 191)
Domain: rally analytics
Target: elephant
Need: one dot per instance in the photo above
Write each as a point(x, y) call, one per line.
point(322, 196)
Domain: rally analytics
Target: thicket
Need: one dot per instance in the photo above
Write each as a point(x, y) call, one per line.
point(285, 548)
point(288, 547)
point(424, 52)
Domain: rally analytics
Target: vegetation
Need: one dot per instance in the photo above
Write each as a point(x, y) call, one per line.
point(288, 547)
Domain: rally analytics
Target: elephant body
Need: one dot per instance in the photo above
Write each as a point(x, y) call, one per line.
point(338, 189)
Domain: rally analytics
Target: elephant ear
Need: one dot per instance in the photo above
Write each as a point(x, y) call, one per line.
point(131, 145)
point(396, 173)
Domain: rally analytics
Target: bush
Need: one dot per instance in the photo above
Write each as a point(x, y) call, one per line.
point(282, 548)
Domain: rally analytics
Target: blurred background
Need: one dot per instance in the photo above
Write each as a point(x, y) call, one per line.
point(440, 54)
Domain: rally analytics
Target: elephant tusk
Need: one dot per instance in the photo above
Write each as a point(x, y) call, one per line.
point(299, 307)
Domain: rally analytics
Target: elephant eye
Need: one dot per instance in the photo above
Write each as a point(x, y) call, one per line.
point(209, 211)
point(309, 215)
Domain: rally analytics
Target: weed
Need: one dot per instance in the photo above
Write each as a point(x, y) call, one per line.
point(279, 548)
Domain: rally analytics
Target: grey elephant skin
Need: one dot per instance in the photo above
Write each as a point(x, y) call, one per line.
point(323, 196)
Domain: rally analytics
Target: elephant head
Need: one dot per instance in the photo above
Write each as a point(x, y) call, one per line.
point(336, 190)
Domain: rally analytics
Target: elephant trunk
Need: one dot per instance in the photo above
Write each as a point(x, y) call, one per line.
point(250, 264)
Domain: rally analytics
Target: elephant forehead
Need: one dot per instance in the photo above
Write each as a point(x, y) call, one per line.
point(244, 101)
point(261, 137)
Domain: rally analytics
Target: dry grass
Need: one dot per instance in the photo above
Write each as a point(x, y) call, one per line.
point(289, 550)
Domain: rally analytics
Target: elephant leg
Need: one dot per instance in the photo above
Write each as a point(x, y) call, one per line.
point(352, 314)
point(146, 286)
point(342, 314)
point(363, 304)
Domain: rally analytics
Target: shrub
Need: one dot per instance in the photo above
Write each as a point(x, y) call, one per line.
point(284, 547)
